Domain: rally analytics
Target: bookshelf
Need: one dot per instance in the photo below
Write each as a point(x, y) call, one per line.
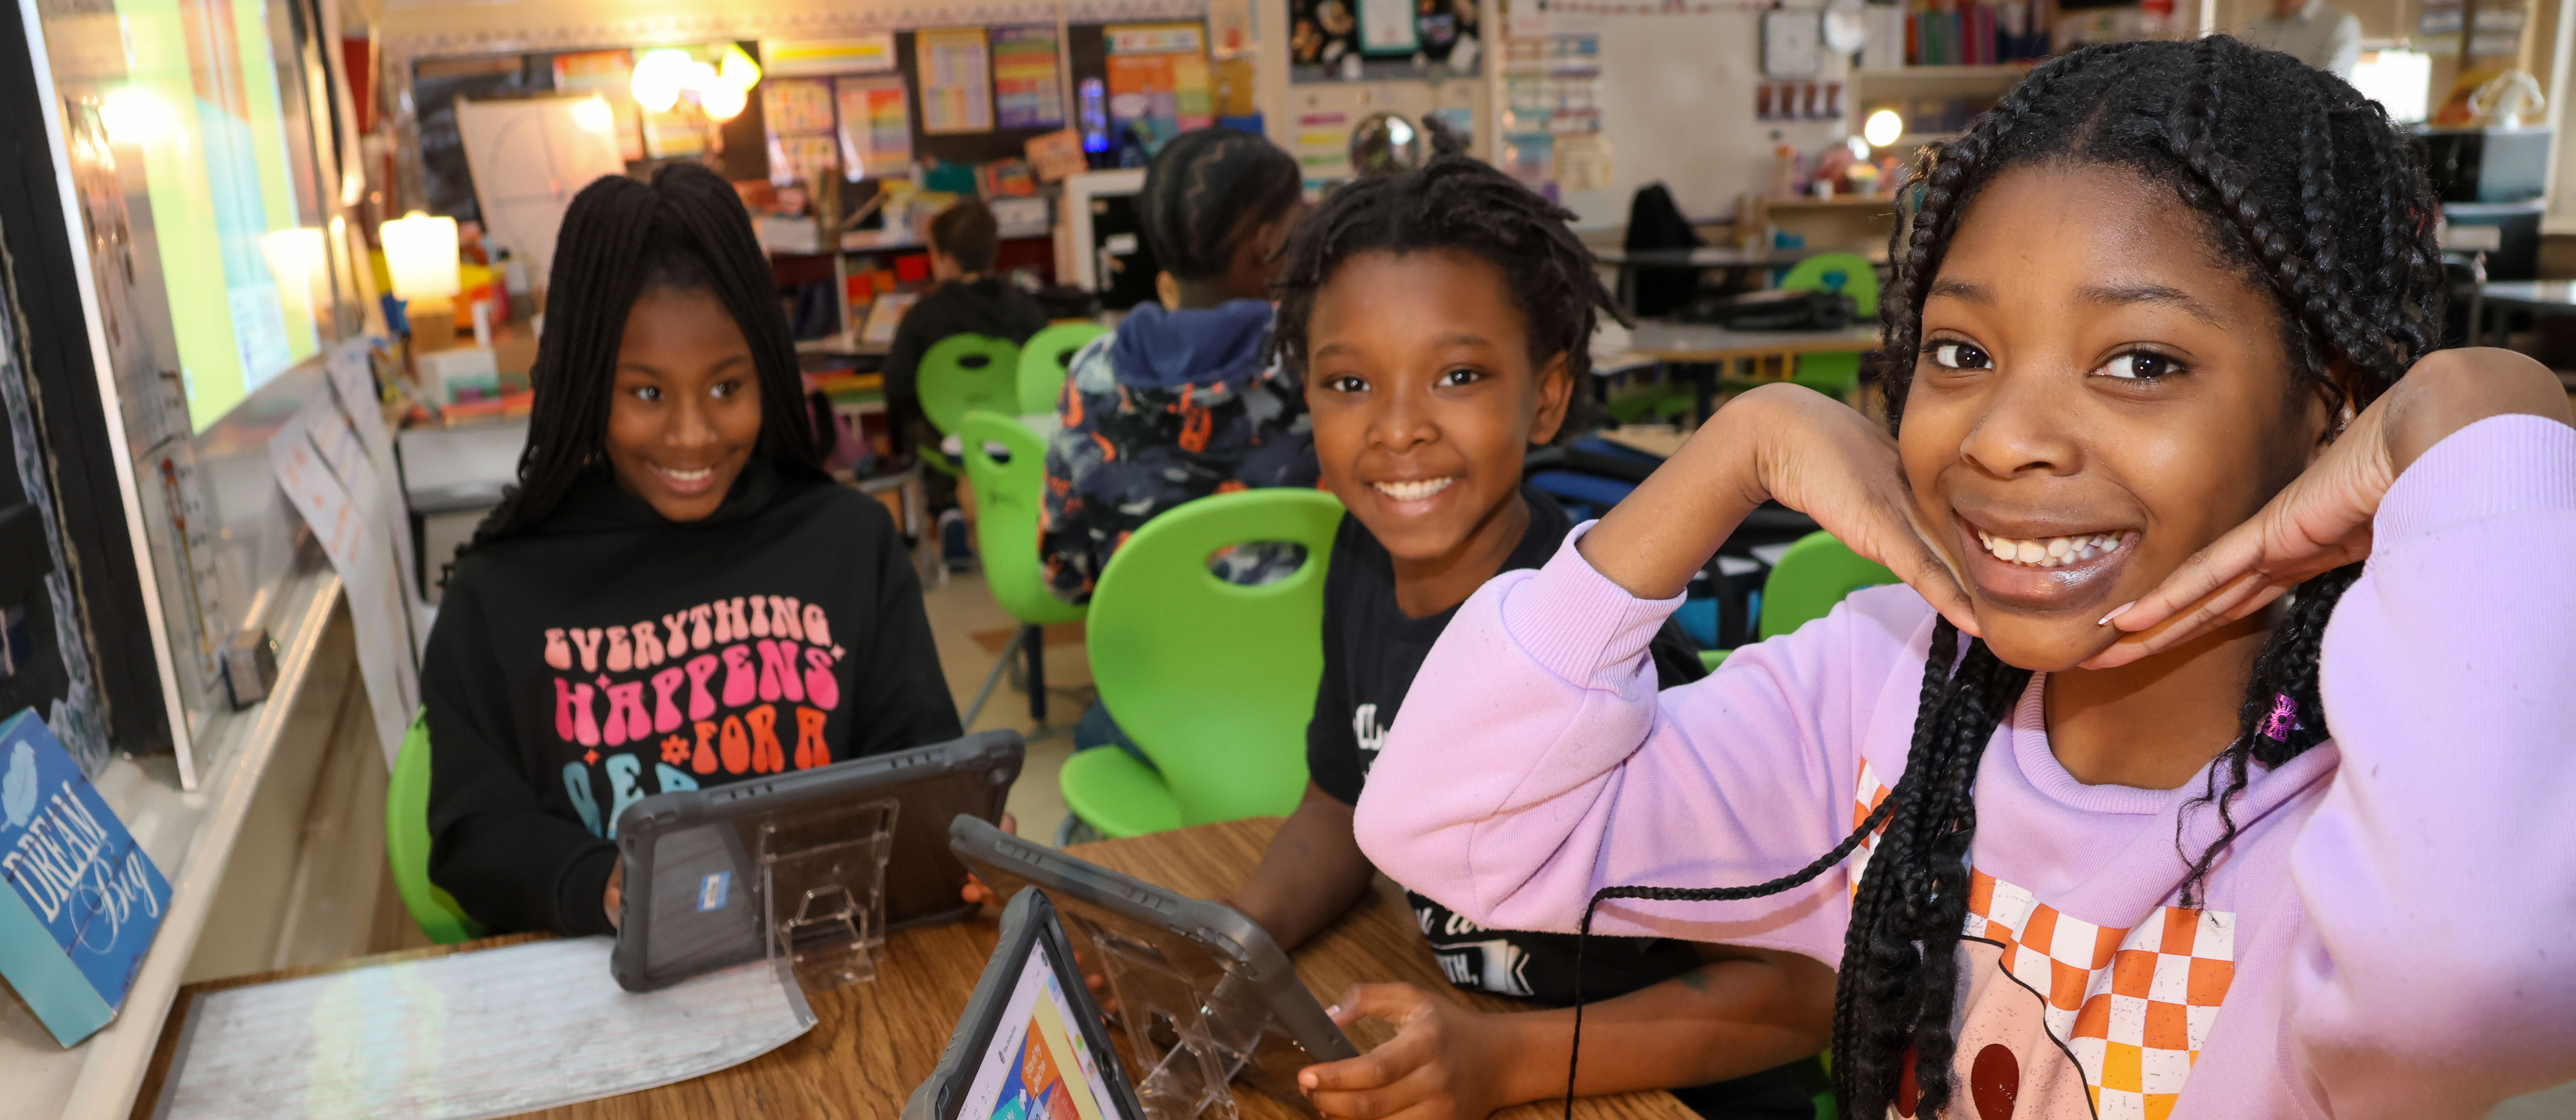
point(1936, 101)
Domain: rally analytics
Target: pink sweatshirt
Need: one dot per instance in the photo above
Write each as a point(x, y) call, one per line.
point(2388, 936)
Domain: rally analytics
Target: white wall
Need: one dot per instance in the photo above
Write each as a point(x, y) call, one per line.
point(1677, 105)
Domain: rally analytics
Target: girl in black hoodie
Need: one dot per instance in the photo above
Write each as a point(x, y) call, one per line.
point(675, 595)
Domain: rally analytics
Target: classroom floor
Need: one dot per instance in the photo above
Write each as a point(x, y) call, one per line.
point(971, 631)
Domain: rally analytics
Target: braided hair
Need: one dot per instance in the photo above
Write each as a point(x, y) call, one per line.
point(1206, 191)
point(2307, 188)
point(1451, 202)
point(686, 231)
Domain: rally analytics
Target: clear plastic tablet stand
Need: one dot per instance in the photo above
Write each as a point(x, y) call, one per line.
point(822, 873)
point(1182, 1070)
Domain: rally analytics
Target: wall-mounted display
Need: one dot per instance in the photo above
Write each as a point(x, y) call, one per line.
point(1381, 40)
point(1028, 85)
point(863, 54)
point(875, 127)
point(1158, 80)
point(956, 81)
point(183, 270)
point(802, 145)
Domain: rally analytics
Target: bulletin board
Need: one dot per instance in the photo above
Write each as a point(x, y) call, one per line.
point(998, 141)
point(1379, 40)
point(1158, 79)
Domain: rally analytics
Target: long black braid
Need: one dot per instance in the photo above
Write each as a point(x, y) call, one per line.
point(2307, 188)
point(1451, 202)
point(1206, 191)
point(687, 230)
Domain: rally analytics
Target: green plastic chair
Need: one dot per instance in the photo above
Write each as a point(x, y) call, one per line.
point(1009, 494)
point(407, 843)
point(1834, 374)
point(1045, 359)
point(1214, 680)
point(963, 372)
point(1816, 573)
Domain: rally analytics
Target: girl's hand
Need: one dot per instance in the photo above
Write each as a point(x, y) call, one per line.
point(2322, 520)
point(613, 899)
point(1812, 453)
point(1444, 1062)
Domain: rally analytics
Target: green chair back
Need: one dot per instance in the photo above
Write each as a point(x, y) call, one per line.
point(1008, 498)
point(963, 372)
point(1214, 680)
point(407, 843)
point(1816, 573)
point(1834, 374)
point(1045, 359)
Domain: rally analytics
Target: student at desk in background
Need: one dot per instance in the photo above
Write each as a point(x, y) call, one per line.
point(1179, 403)
point(674, 595)
point(1440, 319)
point(963, 241)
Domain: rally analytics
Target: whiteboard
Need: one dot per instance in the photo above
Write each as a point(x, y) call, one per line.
point(528, 159)
point(1677, 107)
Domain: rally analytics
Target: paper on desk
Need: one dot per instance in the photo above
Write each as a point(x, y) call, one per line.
point(478, 1034)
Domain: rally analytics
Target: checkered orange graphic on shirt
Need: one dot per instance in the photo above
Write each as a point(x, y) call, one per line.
point(2132, 1006)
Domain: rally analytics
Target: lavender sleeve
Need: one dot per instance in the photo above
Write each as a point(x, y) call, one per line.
point(1536, 713)
point(2438, 872)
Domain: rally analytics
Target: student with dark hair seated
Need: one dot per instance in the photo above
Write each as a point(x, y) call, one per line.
point(1179, 403)
point(963, 242)
point(674, 595)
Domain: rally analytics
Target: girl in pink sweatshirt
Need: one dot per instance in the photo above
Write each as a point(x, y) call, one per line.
point(2215, 759)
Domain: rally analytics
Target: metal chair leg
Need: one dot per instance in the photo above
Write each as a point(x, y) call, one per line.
point(1000, 665)
point(1034, 644)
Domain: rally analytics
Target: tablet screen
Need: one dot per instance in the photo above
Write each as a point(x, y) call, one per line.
point(1037, 1067)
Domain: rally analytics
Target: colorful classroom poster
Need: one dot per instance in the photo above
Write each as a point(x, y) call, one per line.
point(956, 77)
point(1028, 89)
point(875, 127)
point(1158, 80)
point(866, 54)
point(798, 115)
point(610, 74)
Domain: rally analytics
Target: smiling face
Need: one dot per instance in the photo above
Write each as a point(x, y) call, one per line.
point(1425, 399)
point(684, 411)
point(2099, 395)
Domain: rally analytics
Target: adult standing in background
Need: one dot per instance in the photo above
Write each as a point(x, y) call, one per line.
point(2312, 31)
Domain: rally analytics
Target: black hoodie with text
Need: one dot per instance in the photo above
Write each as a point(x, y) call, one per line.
point(613, 653)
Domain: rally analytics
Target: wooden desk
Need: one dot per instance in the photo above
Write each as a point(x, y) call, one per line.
point(871, 1044)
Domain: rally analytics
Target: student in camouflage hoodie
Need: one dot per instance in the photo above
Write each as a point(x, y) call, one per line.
point(1177, 403)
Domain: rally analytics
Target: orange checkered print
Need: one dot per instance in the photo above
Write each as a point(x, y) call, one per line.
point(2132, 1006)
point(1872, 791)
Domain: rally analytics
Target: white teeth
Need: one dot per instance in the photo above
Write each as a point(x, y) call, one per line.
point(2050, 552)
point(688, 476)
point(1413, 491)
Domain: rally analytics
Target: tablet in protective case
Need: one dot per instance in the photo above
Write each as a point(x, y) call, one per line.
point(1031, 1040)
point(691, 902)
point(1260, 1017)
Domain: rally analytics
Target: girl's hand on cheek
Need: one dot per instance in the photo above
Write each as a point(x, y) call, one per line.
point(1442, 1064)
point(1812, 453)
point(1824, 459)
point(2322, 520)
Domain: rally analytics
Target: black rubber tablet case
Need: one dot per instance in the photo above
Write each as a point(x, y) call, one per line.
point(1256, 977)
point(923, 879)
point(1028, 921)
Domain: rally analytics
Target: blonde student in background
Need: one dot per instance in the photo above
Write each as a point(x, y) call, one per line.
point(2213, 760)
point(1439, 321)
